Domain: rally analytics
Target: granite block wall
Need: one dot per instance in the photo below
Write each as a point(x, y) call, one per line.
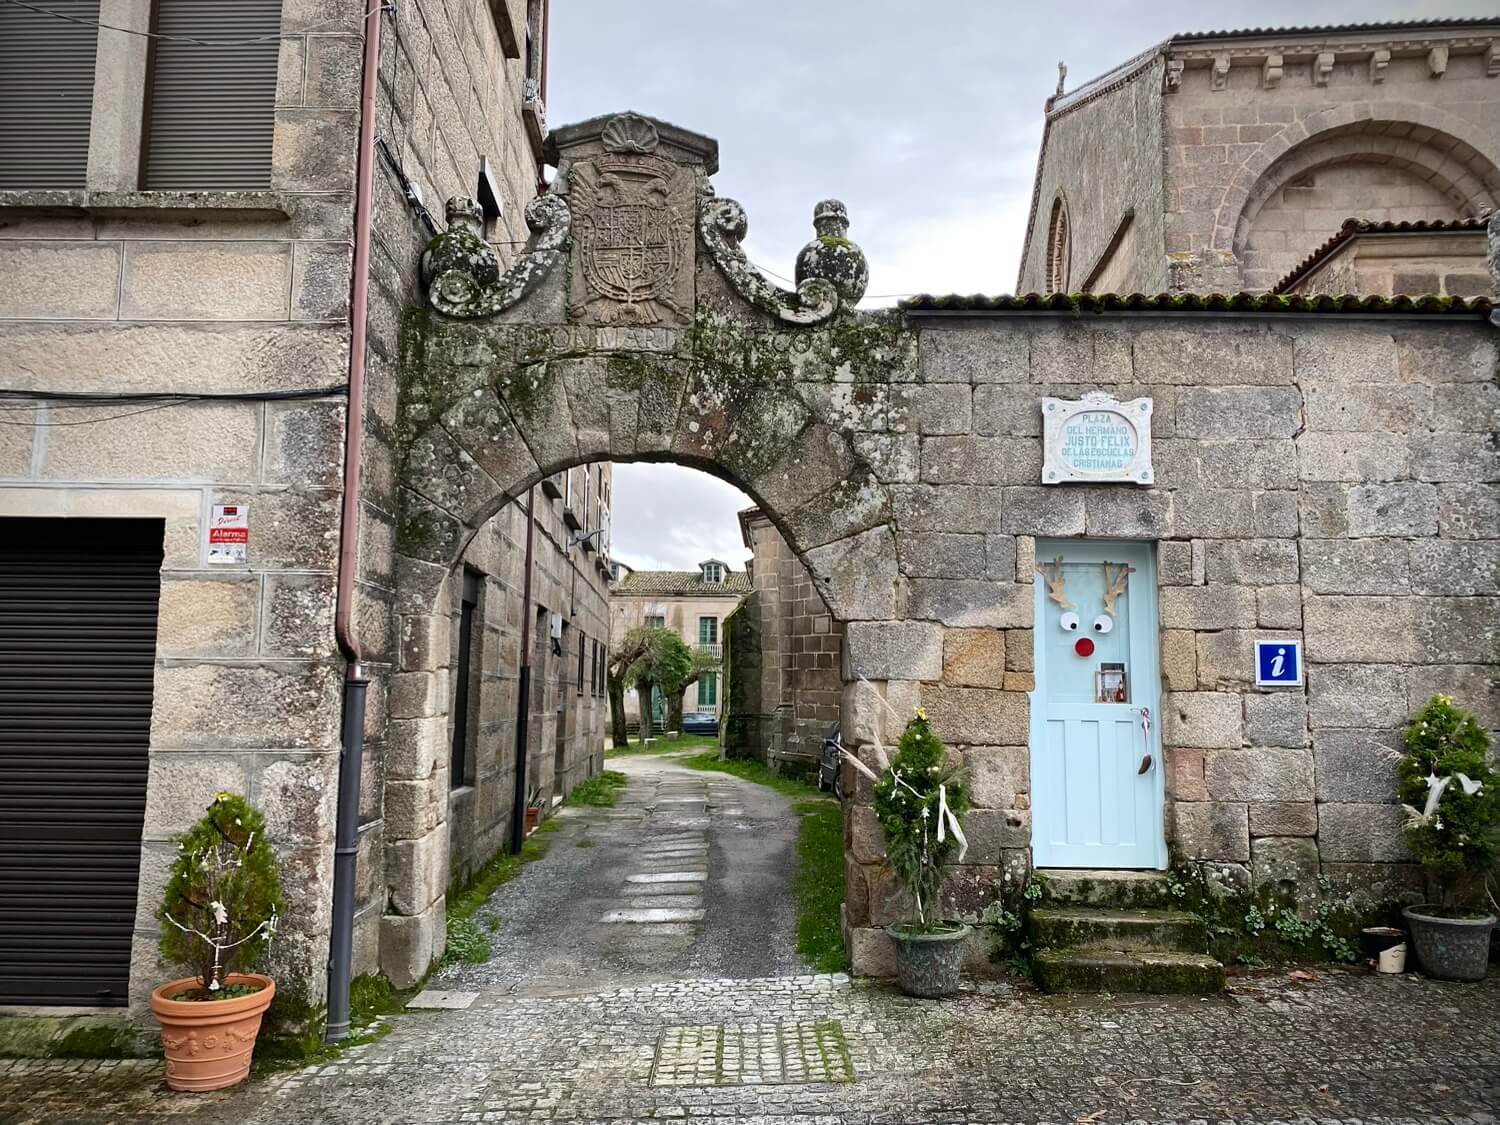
point(240, 293)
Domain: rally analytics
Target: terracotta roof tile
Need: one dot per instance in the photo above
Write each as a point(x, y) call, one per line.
point(1339, 28)
point(682, 583)
point(1197, 302)
point(1354, 227)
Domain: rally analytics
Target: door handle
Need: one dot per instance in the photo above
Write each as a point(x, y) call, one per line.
point(1147, 761)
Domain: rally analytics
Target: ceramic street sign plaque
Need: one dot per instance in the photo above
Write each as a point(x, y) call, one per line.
point(1097, 438)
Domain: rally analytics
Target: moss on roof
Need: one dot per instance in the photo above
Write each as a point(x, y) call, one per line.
point(1198, 302)
point(1437, 23)
point(1353, 227)
point(682, 583)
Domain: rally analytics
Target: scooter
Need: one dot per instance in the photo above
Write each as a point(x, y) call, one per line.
point(830, 766)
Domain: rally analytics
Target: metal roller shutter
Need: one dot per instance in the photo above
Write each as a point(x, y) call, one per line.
point(78, 603)
point(211, 111)
point(46, 94)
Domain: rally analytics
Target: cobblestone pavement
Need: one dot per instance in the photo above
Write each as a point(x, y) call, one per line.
point(1346, 1046)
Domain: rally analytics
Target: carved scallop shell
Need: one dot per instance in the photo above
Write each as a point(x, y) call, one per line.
point(630, 132)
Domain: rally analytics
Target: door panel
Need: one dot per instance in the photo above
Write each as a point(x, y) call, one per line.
point(1096, 668)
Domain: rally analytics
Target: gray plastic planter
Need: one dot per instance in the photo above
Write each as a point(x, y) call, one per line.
point(1449, 948)
point(929, 965)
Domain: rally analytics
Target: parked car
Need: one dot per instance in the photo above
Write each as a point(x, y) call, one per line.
point(830, 765)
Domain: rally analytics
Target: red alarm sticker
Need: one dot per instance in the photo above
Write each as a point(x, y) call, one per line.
point(229, 534)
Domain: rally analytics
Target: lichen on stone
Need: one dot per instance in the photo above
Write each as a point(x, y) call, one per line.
point(461, 270)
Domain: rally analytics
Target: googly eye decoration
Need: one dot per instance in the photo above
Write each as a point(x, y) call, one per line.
point(1069, 622)
point(1103, 623)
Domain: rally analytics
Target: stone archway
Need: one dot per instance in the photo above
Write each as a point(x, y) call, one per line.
point(633, 329)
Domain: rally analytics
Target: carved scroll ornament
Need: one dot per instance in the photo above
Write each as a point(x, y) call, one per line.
point(722, 225)
point(462, 272)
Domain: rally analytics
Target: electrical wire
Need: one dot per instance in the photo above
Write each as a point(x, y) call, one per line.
point(92, 421)
point(250, 42)
point(789, 281)
point(153, 400)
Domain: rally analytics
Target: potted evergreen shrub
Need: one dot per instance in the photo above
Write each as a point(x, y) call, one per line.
point(920, 803)
point(218, 916)
point(1452, 799)
point(534, 801)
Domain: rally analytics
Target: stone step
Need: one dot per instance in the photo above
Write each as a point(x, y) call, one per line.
point(1111, 890)
point(1093, 970)
point(1083, 927)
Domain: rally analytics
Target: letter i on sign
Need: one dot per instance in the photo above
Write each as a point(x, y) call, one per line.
point(1278, 663)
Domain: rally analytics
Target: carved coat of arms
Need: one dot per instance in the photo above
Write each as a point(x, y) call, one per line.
point(632, 239)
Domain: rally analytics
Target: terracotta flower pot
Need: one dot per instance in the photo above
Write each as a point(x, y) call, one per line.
point(208, 1043)
point(533, 816)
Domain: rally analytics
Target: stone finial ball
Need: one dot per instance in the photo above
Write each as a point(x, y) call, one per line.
point(462, 246)
point(831, 256)
point(464, 211)
point(830, 216)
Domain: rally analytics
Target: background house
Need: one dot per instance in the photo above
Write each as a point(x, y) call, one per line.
point(693, 604)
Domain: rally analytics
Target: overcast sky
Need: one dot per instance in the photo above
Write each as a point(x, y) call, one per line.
point(923, 116)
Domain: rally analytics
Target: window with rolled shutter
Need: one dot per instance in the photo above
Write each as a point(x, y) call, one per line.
point(46, 94)
point(211, 111)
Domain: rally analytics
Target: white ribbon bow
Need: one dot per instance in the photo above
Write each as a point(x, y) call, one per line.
point(946, 818)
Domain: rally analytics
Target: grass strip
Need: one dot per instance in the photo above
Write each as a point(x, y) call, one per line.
point(467, 940)
point(681, 744)
point(818, 885)
point(747, 769)
point(600, 791)
point(371, 997)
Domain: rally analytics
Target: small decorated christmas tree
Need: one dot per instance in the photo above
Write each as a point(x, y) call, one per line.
point(223, 899)
point(1452, 800)
point(921, 802)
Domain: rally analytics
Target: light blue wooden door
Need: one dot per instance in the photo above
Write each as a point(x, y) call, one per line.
point(1096, 669)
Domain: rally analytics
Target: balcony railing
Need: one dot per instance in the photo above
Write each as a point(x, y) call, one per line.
point(713, 652)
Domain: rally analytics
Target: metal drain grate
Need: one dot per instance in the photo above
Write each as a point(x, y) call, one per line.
point(752, 1054)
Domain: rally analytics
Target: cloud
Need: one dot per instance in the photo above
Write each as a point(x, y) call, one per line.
point(924, 118)
point(667, 517)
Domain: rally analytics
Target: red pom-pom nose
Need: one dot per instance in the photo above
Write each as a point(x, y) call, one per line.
point(1084, 647)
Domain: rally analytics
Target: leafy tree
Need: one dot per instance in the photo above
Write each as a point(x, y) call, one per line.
point(673, 689)
point(909, 801)
point(223, 898)
point(1452, 797)
point(666, 664)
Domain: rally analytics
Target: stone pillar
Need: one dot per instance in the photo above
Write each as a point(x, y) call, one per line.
point(116, 127)
point(413, 931)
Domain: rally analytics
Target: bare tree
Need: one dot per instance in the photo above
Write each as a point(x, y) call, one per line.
point(617, 674)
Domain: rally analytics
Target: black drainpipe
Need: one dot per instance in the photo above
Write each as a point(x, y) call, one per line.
point(523, 686)
point(346, 856)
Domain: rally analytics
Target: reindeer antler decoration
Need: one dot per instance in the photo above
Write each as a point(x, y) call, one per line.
point(1055, 583)
point(1116, 586)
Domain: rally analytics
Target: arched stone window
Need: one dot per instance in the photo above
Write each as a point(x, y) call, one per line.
point(1059, 248)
